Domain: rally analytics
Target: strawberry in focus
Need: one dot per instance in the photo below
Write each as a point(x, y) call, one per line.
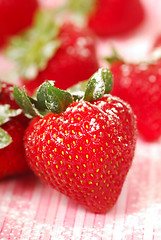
point(139, 85)
point(15, 16)
point(83, 145)
point(108, 17)
point(64, 53)
point(12, 127)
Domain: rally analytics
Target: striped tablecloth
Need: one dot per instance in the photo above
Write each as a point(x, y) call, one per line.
point(32, 210)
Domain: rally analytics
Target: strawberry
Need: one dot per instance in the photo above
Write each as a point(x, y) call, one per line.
point(15, 16)
point(55, 52)
point(81, 144)
point(12, 126)
point(109, 17)
point(139, 84)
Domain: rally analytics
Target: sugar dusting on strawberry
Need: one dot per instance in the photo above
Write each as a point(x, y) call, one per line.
point(85, 151)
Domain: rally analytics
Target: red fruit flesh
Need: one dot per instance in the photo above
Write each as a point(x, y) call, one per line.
point(140, 86)
point(74, 61)
point(85, 152)
point(112, 17)
point(15, 16)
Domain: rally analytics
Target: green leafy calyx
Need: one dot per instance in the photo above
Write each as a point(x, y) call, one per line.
point(99, 84)
point(82, 7)
point(51, 99)
point(115, 57)
point(48, 99)
point(33, 48)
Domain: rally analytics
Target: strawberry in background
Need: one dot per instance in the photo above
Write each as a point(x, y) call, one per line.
point(15, 16)
point(140, 85)
point(64, 52)
point(81, 145)
point(12, 127)
point(109, 17)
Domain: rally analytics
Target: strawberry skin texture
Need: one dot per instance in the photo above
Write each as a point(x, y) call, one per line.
point(12, 157)
point(115, 17)
point(74, 61)
point(85, 152)
point(15, 16)
point(139, 85)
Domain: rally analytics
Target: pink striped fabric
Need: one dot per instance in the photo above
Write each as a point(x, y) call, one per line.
point(30, 210)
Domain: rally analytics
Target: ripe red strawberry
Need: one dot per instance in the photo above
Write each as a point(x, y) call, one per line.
point(66, 54)
point(12, 127)
point(110, 17)
point(139, 85)
point(84, 152)
point(15, 16)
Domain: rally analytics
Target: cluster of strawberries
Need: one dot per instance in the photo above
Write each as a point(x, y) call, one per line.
point(82, 140)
